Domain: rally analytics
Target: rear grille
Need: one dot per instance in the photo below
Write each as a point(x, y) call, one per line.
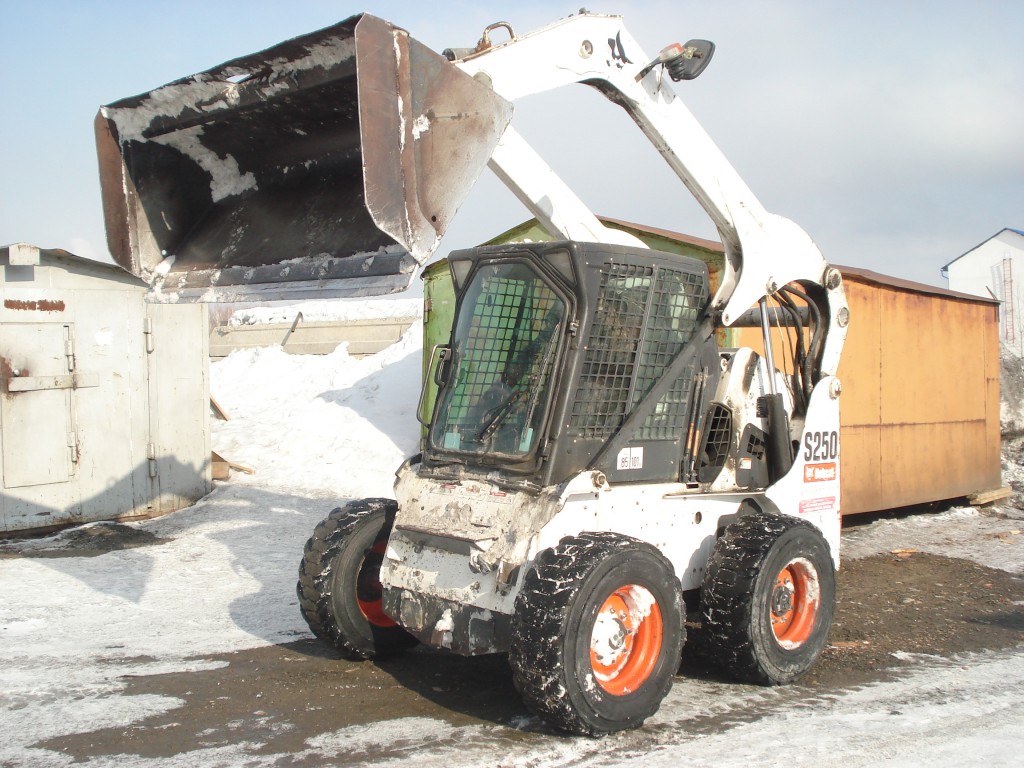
point(717, 441)
point(755, 445)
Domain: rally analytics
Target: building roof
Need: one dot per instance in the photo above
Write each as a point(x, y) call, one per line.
point(699, 242)
point(25, 255)
point(712, 246)
point(876, 278)
point(997, 234)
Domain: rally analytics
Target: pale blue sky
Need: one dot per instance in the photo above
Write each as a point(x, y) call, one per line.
point(893, 132)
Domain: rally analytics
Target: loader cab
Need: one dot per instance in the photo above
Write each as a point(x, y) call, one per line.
point(557, 347)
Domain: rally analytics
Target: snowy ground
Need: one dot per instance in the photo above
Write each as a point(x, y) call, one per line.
point(219, 577)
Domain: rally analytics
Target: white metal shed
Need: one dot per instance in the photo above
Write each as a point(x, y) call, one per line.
point(103, 397)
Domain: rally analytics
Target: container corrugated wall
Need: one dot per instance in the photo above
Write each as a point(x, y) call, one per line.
point(920, 403)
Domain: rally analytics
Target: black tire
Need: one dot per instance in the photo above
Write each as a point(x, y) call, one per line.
point(339, 581)
point(557, 639)
point(768, 598)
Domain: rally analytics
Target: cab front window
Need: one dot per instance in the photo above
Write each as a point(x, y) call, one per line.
point(504, 346)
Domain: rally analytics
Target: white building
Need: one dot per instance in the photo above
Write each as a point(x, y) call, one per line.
point(995, 269)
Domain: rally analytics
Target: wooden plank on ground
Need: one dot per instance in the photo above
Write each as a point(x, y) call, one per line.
point(219, 468)
point(222, 465)
point(219, 412)
point(980, 498)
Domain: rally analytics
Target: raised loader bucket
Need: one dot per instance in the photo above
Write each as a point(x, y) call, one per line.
point(330, 163)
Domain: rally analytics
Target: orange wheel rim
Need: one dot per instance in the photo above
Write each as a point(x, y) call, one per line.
point(626, 639)
point(795, 599)
point(368, 587)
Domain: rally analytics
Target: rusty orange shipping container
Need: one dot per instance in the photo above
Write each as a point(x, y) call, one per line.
point(920, 403)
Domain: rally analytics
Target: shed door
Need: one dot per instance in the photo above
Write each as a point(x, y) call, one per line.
point(38, 432)
point(179, 396)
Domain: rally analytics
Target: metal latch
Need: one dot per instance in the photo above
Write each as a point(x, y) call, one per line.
point(68, 381)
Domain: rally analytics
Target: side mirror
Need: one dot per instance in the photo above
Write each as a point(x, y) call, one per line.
point(692, 59)
point(683, 62)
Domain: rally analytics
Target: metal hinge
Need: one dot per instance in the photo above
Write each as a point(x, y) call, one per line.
point(73, 446)
point(69, 349)
point(151, 455)
point(147, 328)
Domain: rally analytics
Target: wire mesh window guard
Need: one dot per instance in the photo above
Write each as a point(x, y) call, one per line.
point(504, 347)
point(644, 317)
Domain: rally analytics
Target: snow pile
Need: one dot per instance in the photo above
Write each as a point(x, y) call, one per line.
point(1011, 387)
point(320, 424)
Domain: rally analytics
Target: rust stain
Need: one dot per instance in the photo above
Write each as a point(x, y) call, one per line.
point(6, 374)
point(43, 305)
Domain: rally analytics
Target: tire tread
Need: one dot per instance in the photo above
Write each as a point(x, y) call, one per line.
point(542, 608)
point(727, 599)
point(313, 588)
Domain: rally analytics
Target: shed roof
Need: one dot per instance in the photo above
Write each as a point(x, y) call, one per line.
point(876, 278)
point(26, 255)
point(699, 242)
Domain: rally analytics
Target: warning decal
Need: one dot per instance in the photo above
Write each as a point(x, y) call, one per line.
point(818, 506)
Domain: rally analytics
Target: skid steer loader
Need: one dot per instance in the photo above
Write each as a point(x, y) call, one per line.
point(595, 466)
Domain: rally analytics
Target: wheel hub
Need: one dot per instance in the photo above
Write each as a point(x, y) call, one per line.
point(626, 639)
point(782, 598)
point(794, 603)
point(609, 637)
point(369, 589)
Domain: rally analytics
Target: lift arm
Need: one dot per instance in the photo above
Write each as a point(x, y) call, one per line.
point(763, 250)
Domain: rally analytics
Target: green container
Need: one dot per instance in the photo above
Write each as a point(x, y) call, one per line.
point(438, 315)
